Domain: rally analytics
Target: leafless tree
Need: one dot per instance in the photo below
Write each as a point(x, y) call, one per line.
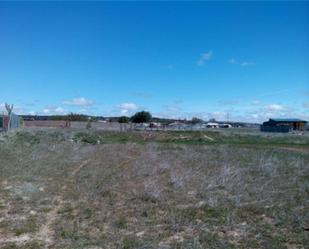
point(9, 109)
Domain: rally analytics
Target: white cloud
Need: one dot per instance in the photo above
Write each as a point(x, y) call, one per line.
point(59, 110)
point(79, 102)
point(127, 108)
point(250, 113)
point(52, 110)
point(46, 111)
point(204, 57)
point(2, 108)
point(241, 63)
point(273, 111)
point(274, 108)
point(16, 109)
point(33, 113)
point(256, 102)
point(247, 63)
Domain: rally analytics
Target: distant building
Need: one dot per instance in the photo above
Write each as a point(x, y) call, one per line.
point(225, 125)
point(155, 125)
point(178, 126)
point(284, 125)
point(212, 125)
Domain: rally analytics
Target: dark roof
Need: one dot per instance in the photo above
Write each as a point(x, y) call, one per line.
point(287, 120)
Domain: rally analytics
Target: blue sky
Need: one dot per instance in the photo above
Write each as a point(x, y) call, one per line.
point(175, 59)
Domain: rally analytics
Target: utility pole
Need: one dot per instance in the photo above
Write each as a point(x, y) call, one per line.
point(227, 116)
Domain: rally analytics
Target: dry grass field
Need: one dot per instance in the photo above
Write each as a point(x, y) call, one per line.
point(162, 190)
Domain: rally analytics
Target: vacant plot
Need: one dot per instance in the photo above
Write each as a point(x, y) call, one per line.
point(91, 189)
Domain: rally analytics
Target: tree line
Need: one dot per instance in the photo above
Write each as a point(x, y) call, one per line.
point(138, 117)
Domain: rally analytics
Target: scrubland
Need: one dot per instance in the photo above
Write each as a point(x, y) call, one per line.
point(98, 189)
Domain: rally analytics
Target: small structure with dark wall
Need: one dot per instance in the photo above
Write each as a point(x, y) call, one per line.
point(284, 125)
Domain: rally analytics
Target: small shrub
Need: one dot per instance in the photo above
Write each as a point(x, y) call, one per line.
point(87, 213)
point(28, 226)
point(130, 242)
point(88, 126)
point(90, 138)
point(121, 223)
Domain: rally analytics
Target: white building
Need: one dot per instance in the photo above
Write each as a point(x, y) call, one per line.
point(212, 125)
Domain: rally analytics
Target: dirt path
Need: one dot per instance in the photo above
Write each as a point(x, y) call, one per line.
point(46, 232)
point(80, 167)
point(296, 149)
point(15, 239)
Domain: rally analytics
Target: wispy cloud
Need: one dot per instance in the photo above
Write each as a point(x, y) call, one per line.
point(273, 111)
point(253, 112)
point(79, 102)
point(127, 108)
point(279, 92)
point(247, 63)
point(274, 107)
point(241, 63)
point(33, 113)
point(17, 109)
point(2, 106)
point(173, 108)
point(204, 57)
point(256, 102)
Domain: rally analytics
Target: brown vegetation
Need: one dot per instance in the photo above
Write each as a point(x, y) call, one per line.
point(154, 190)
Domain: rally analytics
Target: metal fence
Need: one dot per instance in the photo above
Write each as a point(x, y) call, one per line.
point(15, 123)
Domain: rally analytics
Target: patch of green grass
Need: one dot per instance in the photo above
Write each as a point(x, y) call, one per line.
point(130, 242)
point(69, 234)
point(27, 137)
point(87, 213)
point(121, 223)
point(10, 245)
point(88, 137)
point(67, 211)
point(189, 137)
point(28, 226)
point(211, 240)
point(206, 214)
point(4, 225)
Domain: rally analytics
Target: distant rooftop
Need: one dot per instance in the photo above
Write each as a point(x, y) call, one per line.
point(287, 120)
